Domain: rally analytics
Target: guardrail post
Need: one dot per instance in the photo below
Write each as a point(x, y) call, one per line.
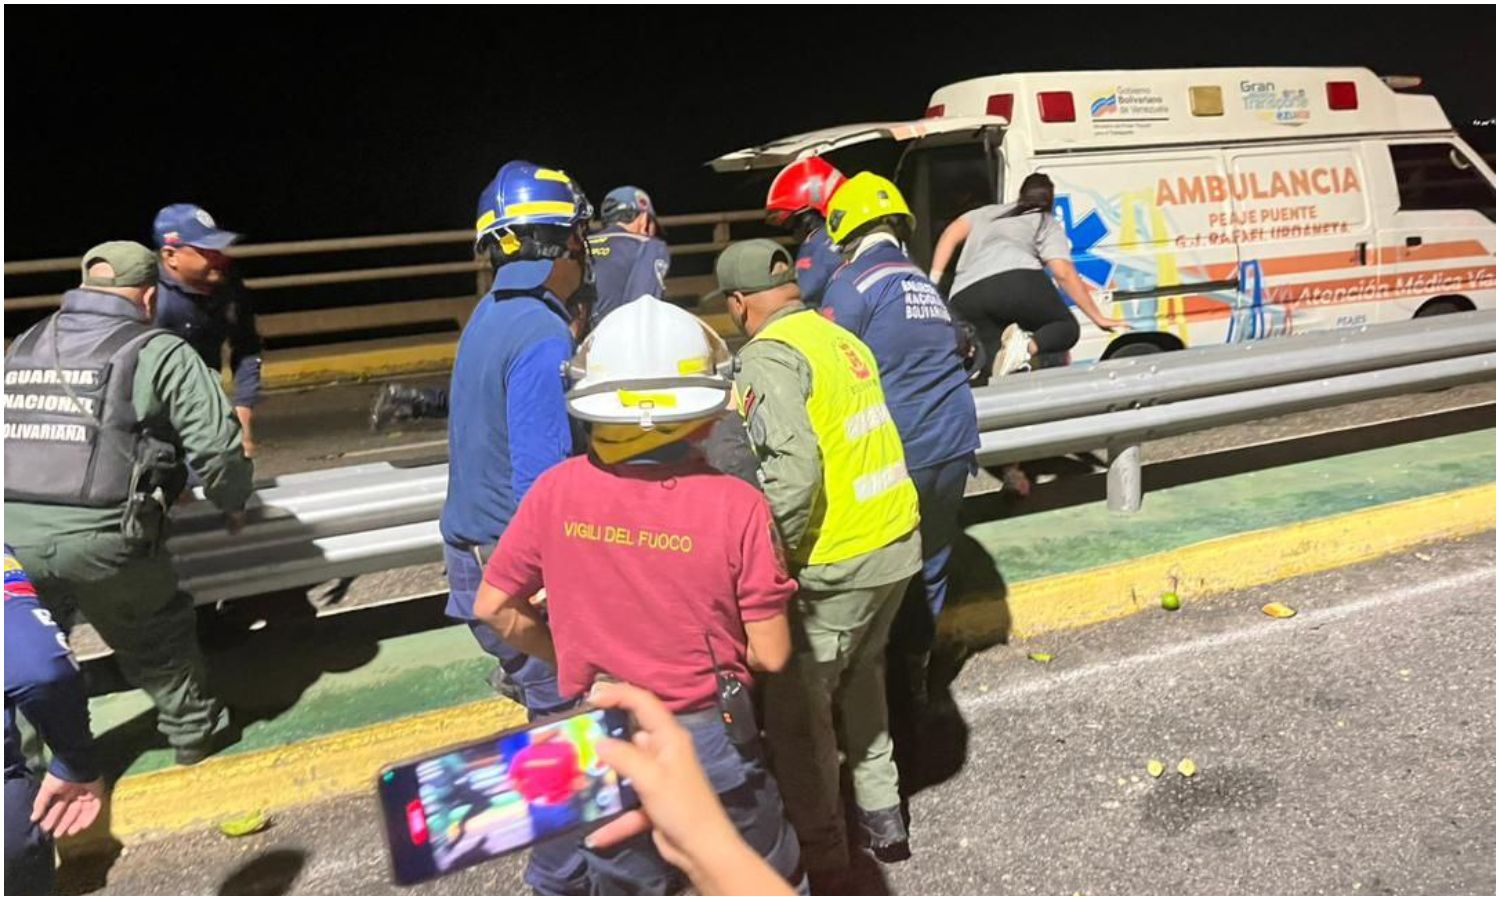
point(1123, 482)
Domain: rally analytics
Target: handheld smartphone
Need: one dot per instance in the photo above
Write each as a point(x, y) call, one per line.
point(465, 805)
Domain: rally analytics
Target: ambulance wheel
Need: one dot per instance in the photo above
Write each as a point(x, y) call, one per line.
point(1441, 308)
point(1139, 348)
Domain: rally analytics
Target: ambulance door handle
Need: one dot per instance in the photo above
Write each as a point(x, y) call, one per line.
point(1414, 240)
point(1363, 248)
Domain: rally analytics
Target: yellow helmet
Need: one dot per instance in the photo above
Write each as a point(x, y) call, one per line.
point(861, 200)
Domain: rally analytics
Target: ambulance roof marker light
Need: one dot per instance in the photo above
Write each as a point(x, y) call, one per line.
point(935, 111)
point(1055, 106)
point(1206, 100)
point(1001, 105)
point(1402, 82)
point(1343, 95)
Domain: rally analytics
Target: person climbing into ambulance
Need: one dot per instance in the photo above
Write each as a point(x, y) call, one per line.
point(1002, 284)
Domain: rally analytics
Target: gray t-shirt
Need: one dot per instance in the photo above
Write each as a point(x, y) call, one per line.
point(1000, 243)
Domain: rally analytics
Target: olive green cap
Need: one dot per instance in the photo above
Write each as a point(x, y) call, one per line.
point(134, 265)
point(752, 266)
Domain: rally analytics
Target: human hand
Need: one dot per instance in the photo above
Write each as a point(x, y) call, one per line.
point(1114, 325)
point(687, 822)
point(681, 808)
point(249, 447)
point(64, 808)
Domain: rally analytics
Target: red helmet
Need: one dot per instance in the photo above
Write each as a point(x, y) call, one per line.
point(807, 184)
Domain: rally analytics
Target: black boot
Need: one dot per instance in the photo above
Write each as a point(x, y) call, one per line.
point(500, 680)
point(884, 832)
point(395, 403)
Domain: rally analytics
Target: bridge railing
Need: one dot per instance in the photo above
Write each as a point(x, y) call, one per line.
point(433, 285)
point(338, 523)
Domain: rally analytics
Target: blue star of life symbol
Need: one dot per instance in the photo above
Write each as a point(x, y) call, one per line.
point(1083, 235)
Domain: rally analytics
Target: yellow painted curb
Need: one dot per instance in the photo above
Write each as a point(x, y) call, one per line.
point(295, 774)
point(1231, 563)
point(433, 357)
point(346, 763)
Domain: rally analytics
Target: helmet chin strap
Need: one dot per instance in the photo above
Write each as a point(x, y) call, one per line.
point(805, 223)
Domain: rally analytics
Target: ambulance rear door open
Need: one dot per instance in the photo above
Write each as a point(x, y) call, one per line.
point(948, 165)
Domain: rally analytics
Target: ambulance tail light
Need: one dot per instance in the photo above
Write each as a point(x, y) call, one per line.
point(1000, 105)
point(1343, 95)
point(1055, 106)
point(935, 111)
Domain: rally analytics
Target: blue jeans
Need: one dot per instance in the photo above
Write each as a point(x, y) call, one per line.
point(556, 867)
point(29, 867)
point(750, 796)
point(536, 679)
point(940, 495)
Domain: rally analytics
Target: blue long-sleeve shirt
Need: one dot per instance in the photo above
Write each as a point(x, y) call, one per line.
point(206, 322)
point(627, 267)
point(508, 422)
point(817, 260)
point(42, 682)
point(897, 311)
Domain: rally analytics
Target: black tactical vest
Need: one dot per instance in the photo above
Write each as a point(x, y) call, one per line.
point(71, 433)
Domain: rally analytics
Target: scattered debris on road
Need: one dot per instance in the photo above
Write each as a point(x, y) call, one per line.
point(245, 825)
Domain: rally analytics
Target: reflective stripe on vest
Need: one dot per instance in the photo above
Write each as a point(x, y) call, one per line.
point(868, 499)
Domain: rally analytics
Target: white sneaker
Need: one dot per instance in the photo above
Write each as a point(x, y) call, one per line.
point(1015, 351)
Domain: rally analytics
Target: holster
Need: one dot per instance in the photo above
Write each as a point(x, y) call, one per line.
point(156, 479)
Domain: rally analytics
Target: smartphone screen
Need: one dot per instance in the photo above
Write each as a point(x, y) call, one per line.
point(466, 805)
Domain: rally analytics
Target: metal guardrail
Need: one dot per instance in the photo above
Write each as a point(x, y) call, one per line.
point(400, 311)
point(308, 528)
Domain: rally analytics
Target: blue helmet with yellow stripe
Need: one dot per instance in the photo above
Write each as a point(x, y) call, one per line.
point(524, 193)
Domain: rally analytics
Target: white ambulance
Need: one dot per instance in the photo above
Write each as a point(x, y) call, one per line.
point(1209, 205)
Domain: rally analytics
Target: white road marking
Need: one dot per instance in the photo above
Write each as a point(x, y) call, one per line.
point(1209, 642)
point(375, 451)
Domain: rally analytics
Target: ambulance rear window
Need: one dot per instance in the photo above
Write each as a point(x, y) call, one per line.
point(1440, 176)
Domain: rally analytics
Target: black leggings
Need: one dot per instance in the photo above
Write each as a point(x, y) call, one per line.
point(1024, 297)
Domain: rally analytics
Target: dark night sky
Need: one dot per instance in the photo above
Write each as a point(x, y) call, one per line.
point(291, 123)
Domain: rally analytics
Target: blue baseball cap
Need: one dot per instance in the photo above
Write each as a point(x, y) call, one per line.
point(189, 224)
point(625, 203)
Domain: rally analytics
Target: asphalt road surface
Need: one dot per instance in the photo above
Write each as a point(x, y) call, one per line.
point(1347, 750)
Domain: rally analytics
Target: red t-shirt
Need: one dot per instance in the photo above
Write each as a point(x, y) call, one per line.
point(544, 773)
point(639, 562)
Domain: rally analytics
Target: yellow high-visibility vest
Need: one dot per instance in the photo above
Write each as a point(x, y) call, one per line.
point(868, 500)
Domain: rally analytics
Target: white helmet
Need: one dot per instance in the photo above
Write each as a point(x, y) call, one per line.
point(649, 362)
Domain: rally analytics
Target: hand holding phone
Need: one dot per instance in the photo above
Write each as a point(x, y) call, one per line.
point(686, 819)
point(472, 803)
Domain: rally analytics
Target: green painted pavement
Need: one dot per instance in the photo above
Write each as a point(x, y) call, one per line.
point(1083, 537)
point(325, 675)
point(308, 680)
